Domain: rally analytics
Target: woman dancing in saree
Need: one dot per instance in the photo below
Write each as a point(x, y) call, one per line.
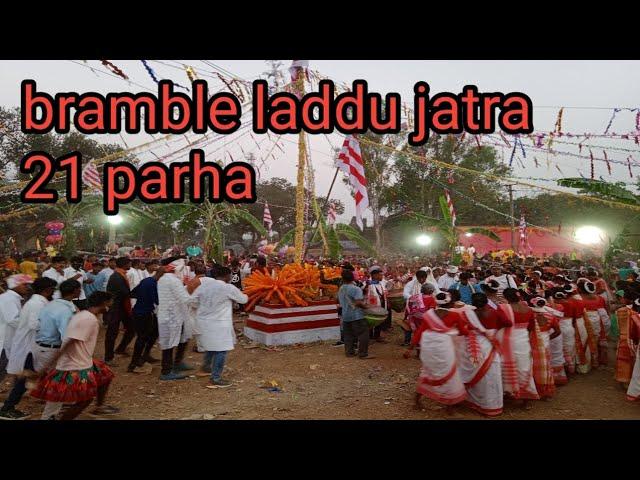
point(439, 376)
point(478, 355)
point(624, 356)
point(562, 303)
point(517, 366)
point(583, 349)
point(596, 319)
point(540, 338)
point(633, 392)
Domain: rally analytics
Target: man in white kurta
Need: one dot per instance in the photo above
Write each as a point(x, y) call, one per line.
point(414, 285)
point(75, 272)
point(445, 282)
point(56, 272)
point(504, 280)
point(214, 320)
point(23, 345)
point(173, 312)
point(10, 306)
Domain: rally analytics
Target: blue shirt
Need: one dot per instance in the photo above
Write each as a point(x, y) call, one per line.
point(102, 278)
point(89, 288)
point(346, 296)
point(466, 291)
point(146, 295)
point(194, 251)
point(54, 318)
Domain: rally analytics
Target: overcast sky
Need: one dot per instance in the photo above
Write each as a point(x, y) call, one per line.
point(550, 85)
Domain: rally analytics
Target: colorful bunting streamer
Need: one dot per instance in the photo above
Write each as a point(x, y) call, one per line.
point(114, 69)
point(154, 77)
point(558, 127)
point(606, 159)
point(191, 74)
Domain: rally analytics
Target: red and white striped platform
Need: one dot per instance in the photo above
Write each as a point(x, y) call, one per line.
point(280, 325)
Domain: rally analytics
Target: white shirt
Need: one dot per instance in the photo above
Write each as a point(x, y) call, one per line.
point(173, 310)
point(471, 251)
point(504, 281)
point(10, 305)
point(71, 272)
point(245, 270)
point(57, 277)
point(413, 287)
point(214, 315)
point(446, 281)
point(134, 277)
point(25, 336)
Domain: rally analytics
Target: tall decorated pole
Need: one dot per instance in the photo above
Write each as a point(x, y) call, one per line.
point(298, 74)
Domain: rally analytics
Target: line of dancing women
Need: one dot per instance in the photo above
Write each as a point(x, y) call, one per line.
point(518, 343)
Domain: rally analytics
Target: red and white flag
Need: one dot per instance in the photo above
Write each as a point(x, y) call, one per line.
point(331, 216)
point(452, 211)
point(91, 176)
point(266, 216)
point(350, 162)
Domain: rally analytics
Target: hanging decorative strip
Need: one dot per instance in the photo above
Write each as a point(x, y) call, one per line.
point(606, 159)
point(191, 74)
point(114, 69)
point(154, 77)
point(558, 127)
point(513, 154)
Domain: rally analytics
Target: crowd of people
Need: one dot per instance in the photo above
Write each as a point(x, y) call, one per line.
point(484, 329)
point(517, 329)
point(51, 310)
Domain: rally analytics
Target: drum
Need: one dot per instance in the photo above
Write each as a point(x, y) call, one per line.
point(397, 303)
point(375, 316)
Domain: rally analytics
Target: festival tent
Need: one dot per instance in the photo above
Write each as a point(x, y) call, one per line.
point(541, 241)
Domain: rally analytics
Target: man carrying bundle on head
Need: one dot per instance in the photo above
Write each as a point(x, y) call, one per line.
point(173, 313)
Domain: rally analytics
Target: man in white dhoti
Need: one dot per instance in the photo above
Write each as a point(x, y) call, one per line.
point(214, 318)
point(173, 312)
point(24, 343)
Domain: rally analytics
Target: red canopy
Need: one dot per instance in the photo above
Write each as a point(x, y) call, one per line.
point(540, 241)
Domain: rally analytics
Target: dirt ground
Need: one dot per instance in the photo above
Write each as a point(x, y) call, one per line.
point(317, 381)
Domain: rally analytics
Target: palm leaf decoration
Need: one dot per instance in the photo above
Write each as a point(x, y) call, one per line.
point(610, 191)
point(484, 231)
point(339, 230)
point(412, 218)
point(350, 233)
point(286, 239)
point(445, 209)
